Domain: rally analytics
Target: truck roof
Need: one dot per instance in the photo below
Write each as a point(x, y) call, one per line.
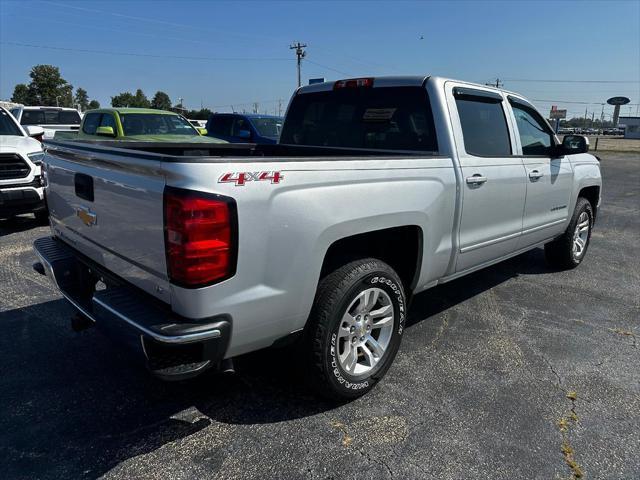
point(126, 110)
point(397, 81)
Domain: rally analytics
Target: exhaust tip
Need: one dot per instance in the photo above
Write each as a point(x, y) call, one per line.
point(226, 366)
point(38, 267)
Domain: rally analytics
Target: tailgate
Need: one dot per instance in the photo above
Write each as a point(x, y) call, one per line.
point(109, 206)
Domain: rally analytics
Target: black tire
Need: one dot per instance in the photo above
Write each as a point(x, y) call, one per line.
point(335, 294)
point(42, 216)
point(559, 253)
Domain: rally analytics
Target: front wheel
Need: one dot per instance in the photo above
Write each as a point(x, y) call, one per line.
point(355, 328)
point(569, 250)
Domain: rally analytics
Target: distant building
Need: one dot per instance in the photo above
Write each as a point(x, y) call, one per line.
point(631, 126)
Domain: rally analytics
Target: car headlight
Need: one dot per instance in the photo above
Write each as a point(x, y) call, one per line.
point(36, 157)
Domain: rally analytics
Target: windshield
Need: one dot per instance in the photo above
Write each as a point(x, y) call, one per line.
point(155, 124)
point(389, 118)
point(268, 127)
point(50, 117)
point(7, 125)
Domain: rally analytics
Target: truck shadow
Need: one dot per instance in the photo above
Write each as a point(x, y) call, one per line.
point(73, 406)
point(18, 224)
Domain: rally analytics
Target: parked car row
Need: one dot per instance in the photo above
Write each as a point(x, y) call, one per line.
point(590, 131)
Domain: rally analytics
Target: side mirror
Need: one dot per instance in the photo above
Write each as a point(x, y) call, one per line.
point(202, 131)
point(244, 134)
point(572, 144)
point(34, 131)
point(105, 132)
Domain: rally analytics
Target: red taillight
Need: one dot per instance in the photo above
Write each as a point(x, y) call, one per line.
point(200, 237)
point(38, 137)
point(353, 83)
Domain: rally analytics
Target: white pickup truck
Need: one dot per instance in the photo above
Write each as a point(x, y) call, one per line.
point(51, 119)
point(380, 188)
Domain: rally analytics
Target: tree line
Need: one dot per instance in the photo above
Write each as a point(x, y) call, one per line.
point(47, 87)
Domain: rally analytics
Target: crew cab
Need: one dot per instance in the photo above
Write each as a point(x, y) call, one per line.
point(380, 188)
point(21, 189)
point(51, 119)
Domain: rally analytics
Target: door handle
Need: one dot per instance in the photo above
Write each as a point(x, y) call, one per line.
point(476, 179)
point(535, 175)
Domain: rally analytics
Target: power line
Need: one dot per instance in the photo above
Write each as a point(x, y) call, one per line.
point(329, 68)
point(568, 81)
point(134, 54)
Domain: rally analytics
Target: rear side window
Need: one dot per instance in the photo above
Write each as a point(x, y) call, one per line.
point(50, 117)
point(220, 125)
point(386, 118)
point(91, 122)
point(535, 136)
point(484, 126)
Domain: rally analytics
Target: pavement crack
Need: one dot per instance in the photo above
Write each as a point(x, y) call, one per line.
point(626, 333)
point(565, 424)
point(553, 370)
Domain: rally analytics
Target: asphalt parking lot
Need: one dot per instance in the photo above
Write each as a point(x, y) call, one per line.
point(513, 372)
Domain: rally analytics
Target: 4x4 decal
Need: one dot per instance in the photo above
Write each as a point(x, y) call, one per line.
point(241, 178)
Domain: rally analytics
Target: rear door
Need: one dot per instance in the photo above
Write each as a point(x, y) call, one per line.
point(549, 178)
point(493, 178)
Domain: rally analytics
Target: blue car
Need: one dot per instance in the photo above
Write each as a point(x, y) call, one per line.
point(245, 127)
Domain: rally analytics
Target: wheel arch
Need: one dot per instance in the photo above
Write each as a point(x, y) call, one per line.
point(400, 247)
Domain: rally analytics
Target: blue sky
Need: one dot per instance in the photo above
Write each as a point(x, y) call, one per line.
point(243, 54)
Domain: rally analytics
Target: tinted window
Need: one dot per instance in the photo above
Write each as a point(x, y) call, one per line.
point(50, 117)
point(91, 122)
point(7, 125)
point(108, 121)
point(220, 125)
point(155, 124)
point(484, 127)
point(535, 137)
point(389, 118)
point(240, 124)
point(268, 127)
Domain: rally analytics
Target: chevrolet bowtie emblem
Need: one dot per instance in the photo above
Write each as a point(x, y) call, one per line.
point(87, 216)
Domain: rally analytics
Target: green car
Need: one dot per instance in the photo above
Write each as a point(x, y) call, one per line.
point(140, 125)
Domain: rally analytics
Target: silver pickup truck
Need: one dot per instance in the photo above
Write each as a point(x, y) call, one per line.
point(379, 188)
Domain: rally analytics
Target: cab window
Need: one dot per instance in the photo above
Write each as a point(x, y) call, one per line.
point(91, 122)
point(108, 121)
point(535, 137)
point(484, 125)
point(220, 125)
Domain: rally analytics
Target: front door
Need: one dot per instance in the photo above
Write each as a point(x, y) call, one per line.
point(549, 178)
point(493, 179)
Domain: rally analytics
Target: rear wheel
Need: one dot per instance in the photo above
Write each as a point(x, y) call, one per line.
point(355, 328)
point(569, 250)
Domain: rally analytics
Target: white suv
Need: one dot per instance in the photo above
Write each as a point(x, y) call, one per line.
point(20, 169)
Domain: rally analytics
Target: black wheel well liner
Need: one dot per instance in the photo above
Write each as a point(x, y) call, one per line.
point(399, 247)
point(592, 194)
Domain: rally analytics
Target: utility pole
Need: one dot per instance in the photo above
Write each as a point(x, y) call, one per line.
point(279, 107)
point(300, 54)
point(256, 107)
